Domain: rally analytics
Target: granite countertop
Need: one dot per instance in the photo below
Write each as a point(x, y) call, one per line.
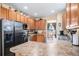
point(30, 48)
point(52, 48)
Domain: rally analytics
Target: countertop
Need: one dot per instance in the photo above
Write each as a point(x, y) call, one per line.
point(30, 48)
point(52, 48)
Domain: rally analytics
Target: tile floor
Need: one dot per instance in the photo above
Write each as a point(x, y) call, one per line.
point(61, 48)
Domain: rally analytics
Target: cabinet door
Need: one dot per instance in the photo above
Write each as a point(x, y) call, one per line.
point(22, 18)
point(0, 11)
point(34, 38)
point(36, 24)
point(78, 14)
point(31, 23)
point(12, 15)
point(3, 12)
point(26, 20)
point(32, 26)
point(7, 14)
point(64, 21)
point(74, 14)
point(68, 14)
point(42, 24)
point(40, 38)
point(18, 17)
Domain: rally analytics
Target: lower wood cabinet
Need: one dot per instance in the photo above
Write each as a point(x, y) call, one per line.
point(38, 38)
point(34, 38)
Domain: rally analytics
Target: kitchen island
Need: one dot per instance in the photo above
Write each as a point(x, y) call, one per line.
point(53, 48)
point(30, 48)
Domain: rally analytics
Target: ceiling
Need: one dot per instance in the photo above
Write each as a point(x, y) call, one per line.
point(39, 9)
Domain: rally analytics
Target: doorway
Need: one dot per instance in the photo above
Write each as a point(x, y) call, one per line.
point(50, 31)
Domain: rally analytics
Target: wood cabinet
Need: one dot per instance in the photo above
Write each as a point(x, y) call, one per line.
point(68, 15)
point(38, 38)
point(18, 17)
point(31, 23)
point(32, 26)
point(12, 15)
point(64, 21)
point(0, 11)
point(26, 20)
point(3, 12)
point(40, 24)
point(72, 14)
point(22, 18)
point(34, 38)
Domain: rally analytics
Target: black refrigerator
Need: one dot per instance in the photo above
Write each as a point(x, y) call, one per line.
point(11, 34)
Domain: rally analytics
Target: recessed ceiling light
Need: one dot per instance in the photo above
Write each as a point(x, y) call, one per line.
point(35, 14)
point(52, 11)
point(21, 13)
point(26, 8)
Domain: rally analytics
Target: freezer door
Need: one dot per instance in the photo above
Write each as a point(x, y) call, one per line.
point(0, 37)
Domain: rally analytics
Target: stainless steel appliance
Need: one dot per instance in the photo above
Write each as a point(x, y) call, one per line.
point(11, 34)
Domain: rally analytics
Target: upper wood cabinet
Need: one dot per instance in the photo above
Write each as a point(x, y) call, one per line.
point(22, 18)
point(74, 14)
point(64, 21)
point(68, 14)
point(26, 20)
point(12, 15)
point(3, 12)
point(31, 23)
point(18, 16)
point(0, 11)
point(40, 24)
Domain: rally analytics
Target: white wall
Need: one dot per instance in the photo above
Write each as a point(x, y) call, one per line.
point(59, 21)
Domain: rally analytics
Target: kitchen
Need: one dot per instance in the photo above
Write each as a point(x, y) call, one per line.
point(20, 31)
point(20, 26)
